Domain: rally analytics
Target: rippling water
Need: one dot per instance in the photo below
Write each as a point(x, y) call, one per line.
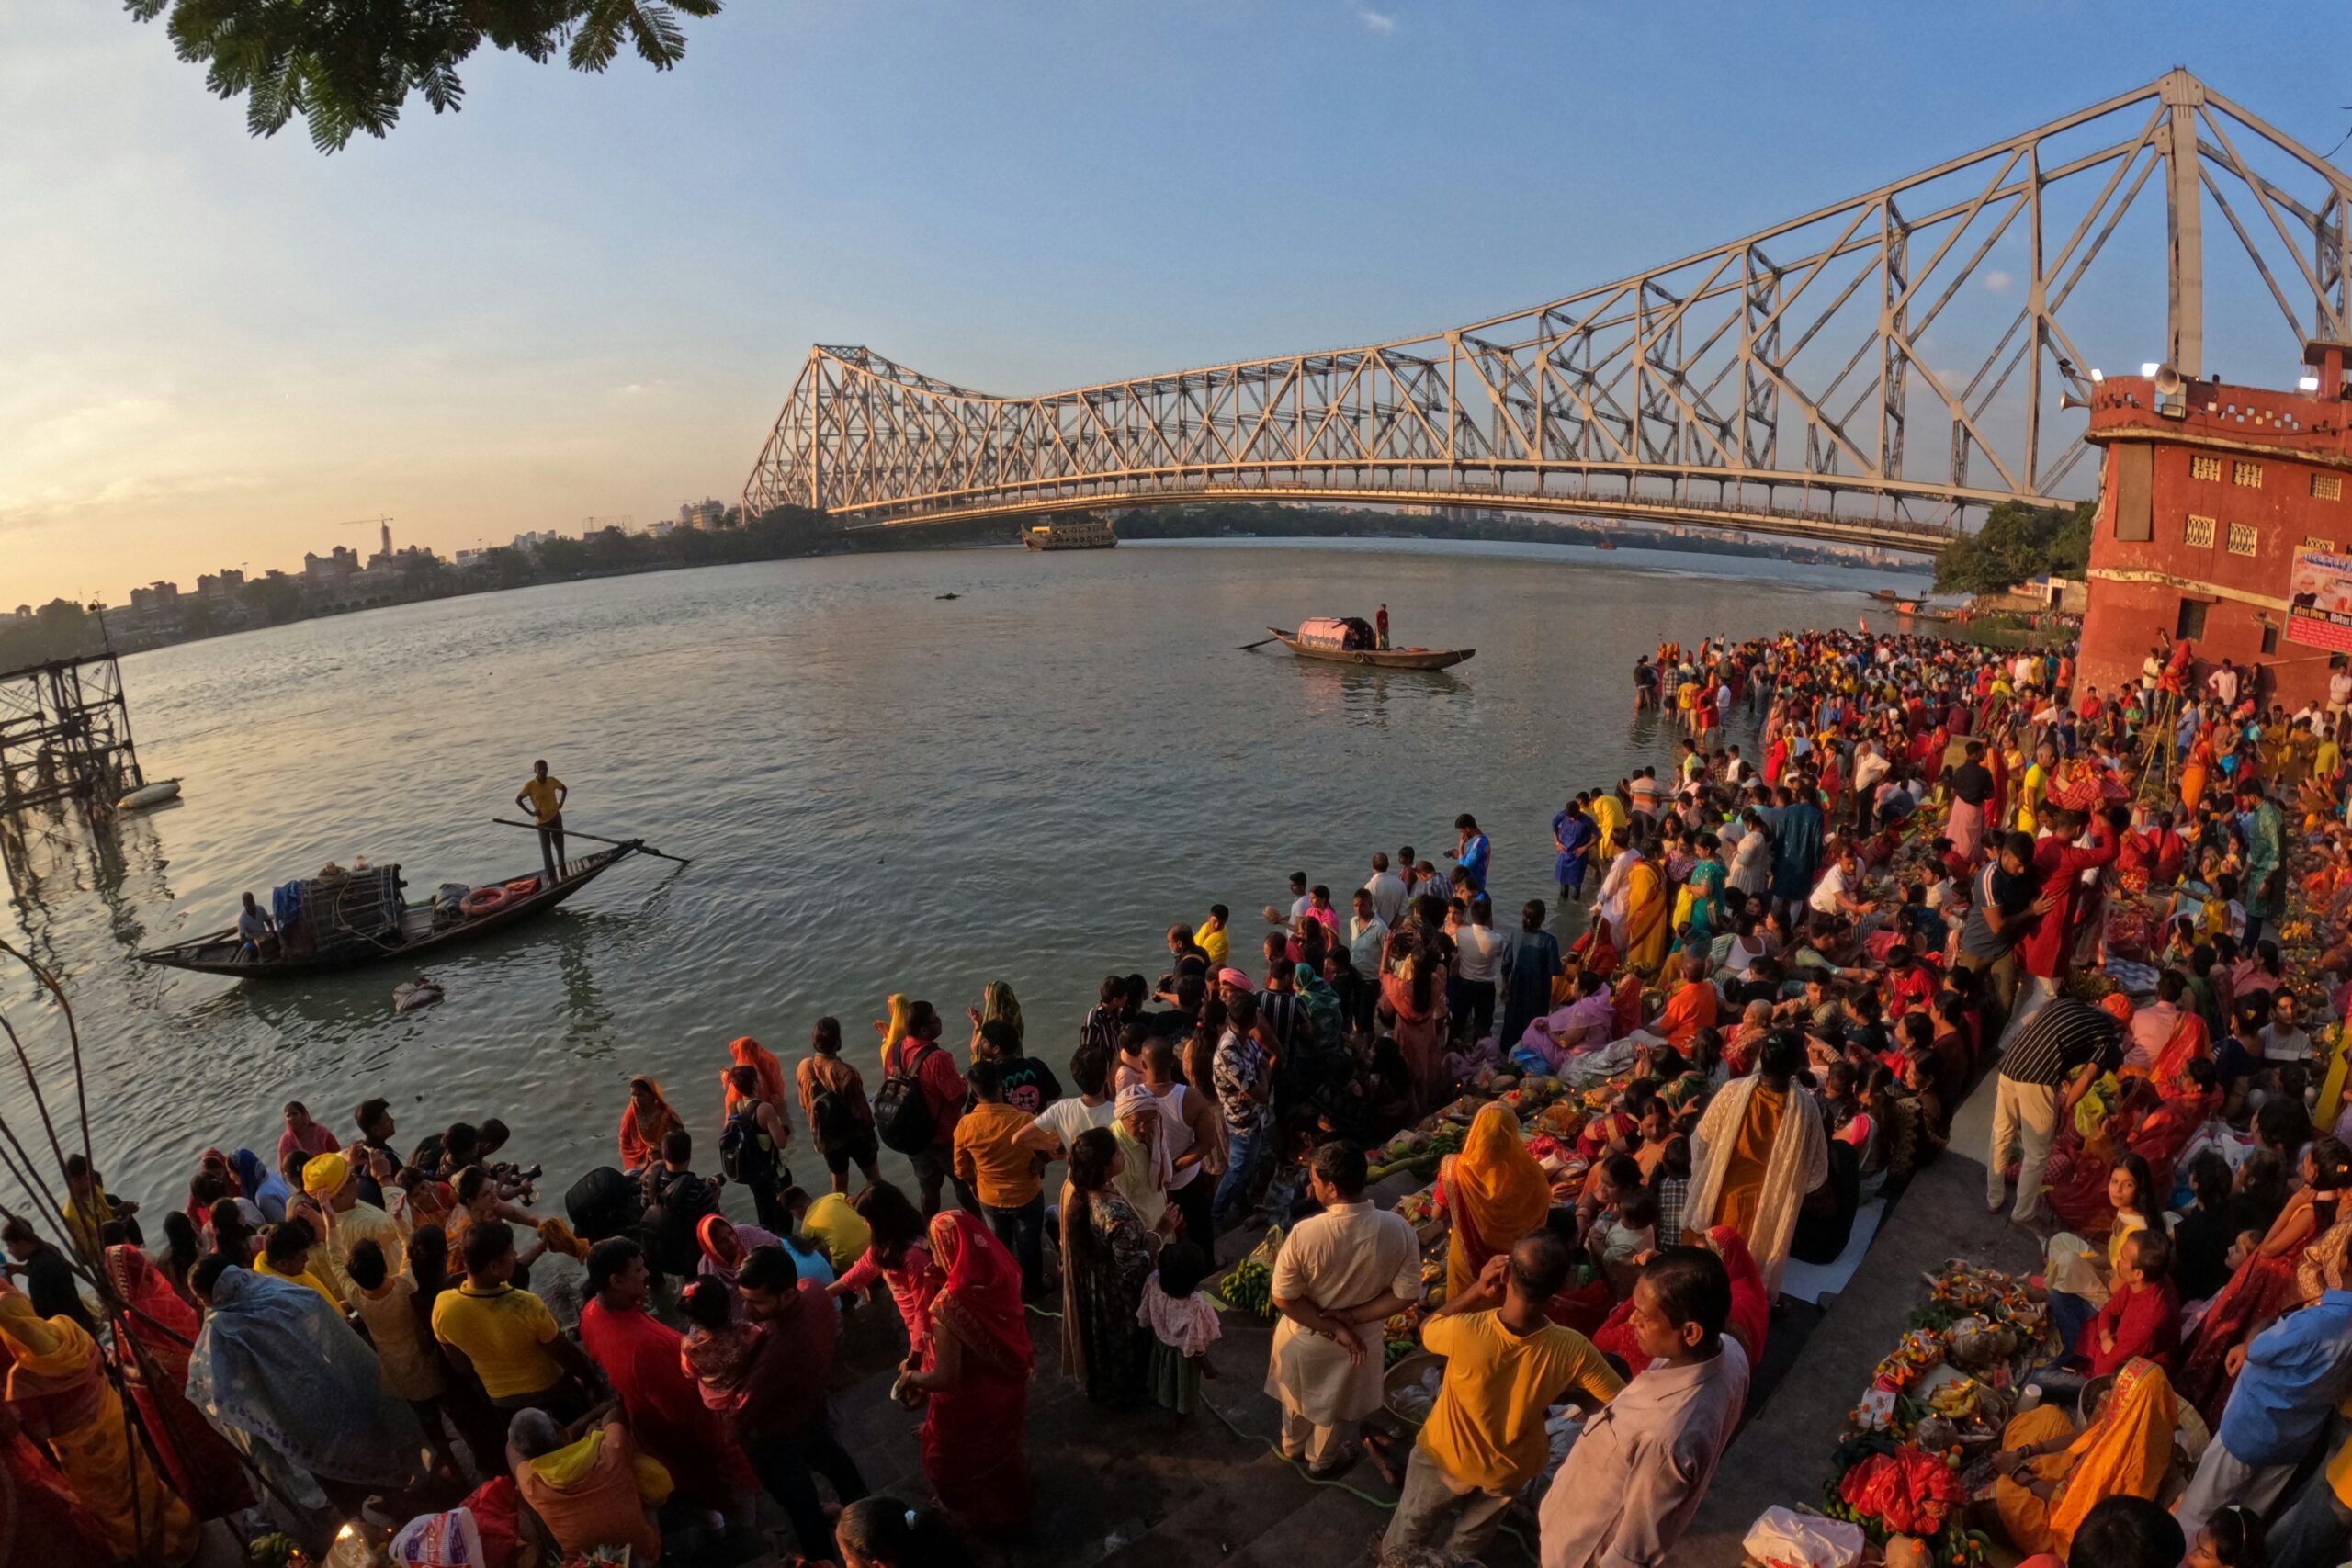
point(880, 791)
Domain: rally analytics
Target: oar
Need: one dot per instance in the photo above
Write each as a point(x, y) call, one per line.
point(636, 844)
point(1259, 643)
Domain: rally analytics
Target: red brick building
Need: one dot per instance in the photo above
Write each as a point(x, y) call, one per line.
point(2207, 496)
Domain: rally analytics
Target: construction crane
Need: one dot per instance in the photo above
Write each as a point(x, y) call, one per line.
point(383, 523)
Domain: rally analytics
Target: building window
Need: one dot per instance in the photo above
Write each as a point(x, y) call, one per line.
point(2328, 487)
point(2191, 623)
point(2242, 538)
point(2246, 475)
point(2200, 531)
point(2205, 469)
point(2313, 542)
point(2269, 638)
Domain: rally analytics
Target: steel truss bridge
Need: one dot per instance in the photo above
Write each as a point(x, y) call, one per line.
point(1874, 372)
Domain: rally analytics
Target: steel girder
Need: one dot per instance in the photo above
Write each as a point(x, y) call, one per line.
point(1774, 384)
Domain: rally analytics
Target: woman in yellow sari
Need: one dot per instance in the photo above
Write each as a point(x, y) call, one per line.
point(2050, 1475)
point(1646, 932)
point(1493, 1192)
point(58, 1389)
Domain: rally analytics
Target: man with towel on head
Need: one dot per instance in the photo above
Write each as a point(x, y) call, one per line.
point(332, 1181)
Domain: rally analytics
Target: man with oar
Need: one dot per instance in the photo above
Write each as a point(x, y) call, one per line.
point(543, 797)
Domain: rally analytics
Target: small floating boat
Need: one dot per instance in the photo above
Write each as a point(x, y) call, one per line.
point(146, 795)
point(358, 918)
point(1348, 640)
point(1883, 595)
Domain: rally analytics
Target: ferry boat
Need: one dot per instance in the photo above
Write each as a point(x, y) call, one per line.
point(1070, 534)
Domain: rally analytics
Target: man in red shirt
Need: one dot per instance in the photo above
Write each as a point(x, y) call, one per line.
point(785, 1427)
point(2058, 865)
point(1909, 983)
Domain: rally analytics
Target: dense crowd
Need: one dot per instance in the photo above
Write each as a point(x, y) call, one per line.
point(1768, 978)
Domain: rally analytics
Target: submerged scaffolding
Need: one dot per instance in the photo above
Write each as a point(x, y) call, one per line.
point(65, 735)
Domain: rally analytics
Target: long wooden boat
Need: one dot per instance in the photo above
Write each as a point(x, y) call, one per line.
point(420, 931)
point(1376, 657)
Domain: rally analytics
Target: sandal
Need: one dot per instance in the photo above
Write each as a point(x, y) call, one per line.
point(1337, 1465)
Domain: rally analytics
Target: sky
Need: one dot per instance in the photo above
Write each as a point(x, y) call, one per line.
point(587, 296)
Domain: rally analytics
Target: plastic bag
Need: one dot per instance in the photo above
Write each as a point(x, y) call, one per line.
point(1782, 1539)
point(437, 1541)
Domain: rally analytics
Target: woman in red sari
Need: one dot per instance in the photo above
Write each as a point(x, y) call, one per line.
point(161, 1330)
point(974, 1367)
point(2264, 1284)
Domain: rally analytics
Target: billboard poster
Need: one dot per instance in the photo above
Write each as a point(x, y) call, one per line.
point(2319, 601)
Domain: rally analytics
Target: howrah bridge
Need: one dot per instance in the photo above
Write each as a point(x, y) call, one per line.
point(1876, 372)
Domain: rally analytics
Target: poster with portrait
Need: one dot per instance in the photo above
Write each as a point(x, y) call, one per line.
point(2319, 601)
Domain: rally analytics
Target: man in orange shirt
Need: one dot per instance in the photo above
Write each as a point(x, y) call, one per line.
point(1692, 1007)
point(999, 1153)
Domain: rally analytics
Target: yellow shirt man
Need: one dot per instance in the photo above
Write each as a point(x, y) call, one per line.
point(834, 1225)
point(2034, 779)
point(504, 1332)
point(1487, 1430)
point(1213, 942)
point(545, 795)
point(307, 1277)
point(996, 1150)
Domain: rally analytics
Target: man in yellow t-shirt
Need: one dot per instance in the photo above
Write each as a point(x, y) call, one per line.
point(1212, 938)
point(505, 1338)
point(543, 796)
point(1507, 1364)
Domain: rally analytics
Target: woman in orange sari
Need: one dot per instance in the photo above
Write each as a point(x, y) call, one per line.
point(648, 1120)
point(1415, 993)
point(159, 1330)
point(974, 1372)
point(2191, 1040)
point(748, 1053)
point(1492, 1193)
point(2198, 769)
point(2048, 1476)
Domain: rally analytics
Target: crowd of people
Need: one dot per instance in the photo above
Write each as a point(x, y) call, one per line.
point(1784, 962)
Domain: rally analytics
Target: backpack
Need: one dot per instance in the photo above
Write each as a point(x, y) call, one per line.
point(740, 1155)
point(829, 1118)
point(903, 1118)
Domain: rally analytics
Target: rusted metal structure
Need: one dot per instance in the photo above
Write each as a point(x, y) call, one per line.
point(1786, 382)
point(65, 735)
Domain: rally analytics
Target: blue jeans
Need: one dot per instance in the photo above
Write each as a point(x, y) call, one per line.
point(2069, 1315)
point(1244, 1152)
point(2315, 1532)
point(1022, 1231)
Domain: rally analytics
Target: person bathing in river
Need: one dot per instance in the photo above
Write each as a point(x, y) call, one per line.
point(543, 797)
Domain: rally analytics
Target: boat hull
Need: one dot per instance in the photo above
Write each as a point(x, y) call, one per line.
point(1378, 658)
point(217, 954)
point(150, 795)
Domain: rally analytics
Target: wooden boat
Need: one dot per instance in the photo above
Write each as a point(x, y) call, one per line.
point(415, 928)
point(1376, 657)
point(146, 795)
point(1883, 595)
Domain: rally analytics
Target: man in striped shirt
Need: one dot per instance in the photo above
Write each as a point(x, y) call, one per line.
point(2051, 1059)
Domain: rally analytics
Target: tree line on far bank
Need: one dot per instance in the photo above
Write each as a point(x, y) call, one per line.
point(2016, 543)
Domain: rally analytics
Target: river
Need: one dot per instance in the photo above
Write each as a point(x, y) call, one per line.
point(880, 791)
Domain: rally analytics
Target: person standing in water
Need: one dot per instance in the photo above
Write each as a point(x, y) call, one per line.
point(1380, 625)
point(543, 796)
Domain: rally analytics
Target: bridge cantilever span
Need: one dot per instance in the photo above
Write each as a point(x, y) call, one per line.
point(1872, 372)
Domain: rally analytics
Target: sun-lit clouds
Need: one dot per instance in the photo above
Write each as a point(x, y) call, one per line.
point(1379, 22)
point(1997, 282)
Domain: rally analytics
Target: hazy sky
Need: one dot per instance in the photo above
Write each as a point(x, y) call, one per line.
point(587, 296)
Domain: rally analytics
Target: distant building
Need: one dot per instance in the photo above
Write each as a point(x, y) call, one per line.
point(533, 541)
point(466, 561)
point(662, 530)
point(339, 562)
point(24, 613)
point(212, 585)
point(156, 597)
point(2222, 521)
point(701, 513)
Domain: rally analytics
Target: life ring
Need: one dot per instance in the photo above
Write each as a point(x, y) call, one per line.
point(481, 901)
point(523, 889)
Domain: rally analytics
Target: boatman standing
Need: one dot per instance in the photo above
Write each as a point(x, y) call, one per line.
point(1380, 625)
point(543, 797)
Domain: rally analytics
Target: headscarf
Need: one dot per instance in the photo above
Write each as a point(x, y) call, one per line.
point(157, 1320)
point(2118, 1007)
point(1495, 1193)
point(325, 1175)
point(981, 1295)
point(999, 1004)
point(899, 1014)
point(262, 1186)
point(1162, 1167)
point(278, 1368)
point(53, 1355)
point(724, 1247)
point(641, 1135)
point(2126, 1452)
point(748, 1053)
point(1751, 1309)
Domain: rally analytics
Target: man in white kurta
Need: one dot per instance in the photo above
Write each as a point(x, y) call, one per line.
point(1347, 1267)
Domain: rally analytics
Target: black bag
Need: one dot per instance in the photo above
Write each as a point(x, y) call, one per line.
point(831, 1119)
point(604, 1203)
point(739, 1154)
point(902, 1116)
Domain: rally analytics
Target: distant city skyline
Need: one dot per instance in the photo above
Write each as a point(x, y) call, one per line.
point(586, 296)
